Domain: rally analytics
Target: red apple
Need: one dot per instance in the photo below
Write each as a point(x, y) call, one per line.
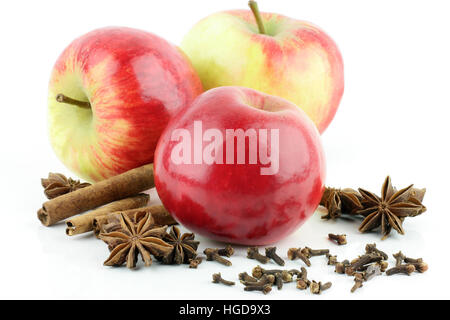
point(251, 191)
point(112, 92)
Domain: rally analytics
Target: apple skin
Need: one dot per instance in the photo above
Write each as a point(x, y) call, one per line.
point(295, 60)
point(135, 82)
point(233, 202)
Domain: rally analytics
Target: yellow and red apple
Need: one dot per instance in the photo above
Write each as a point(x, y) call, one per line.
point(288, 58)
point(111, 93)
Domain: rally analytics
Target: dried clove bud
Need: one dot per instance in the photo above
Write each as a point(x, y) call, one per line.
point(302, 281)
point(271, 253)
point(253, 253)
point(359, 279)
point(308, 252)
point(193, 263)
point(360, 269)
point(296, 253)
point(245, 277)
point(362, 261)
point(264, 289)
point(228, 251)
point(411, 260)
point(278, 281)
point(372, 248)
point(340, 239)
point(399, 257)
point(217, 278)
point(418, 263)
point(292, 253)
point(332, 260)
point(265, 279)
point(301, 284)
point(286, 276)
point(421, 267)
point(213, 255)
point(317, 288)
point(404, 269)
point(341, 266)
point(383, 265)
point(372, 271)
point(258, 272)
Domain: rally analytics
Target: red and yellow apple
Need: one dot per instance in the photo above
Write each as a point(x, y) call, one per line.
point(289, 58)
point(240, 166)
point(111, 93)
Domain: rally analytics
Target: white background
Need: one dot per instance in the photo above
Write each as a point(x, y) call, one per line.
point(393, 120)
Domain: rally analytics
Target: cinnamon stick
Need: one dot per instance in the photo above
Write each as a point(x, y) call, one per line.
point(83, 223)
point(110, 222)
point(124, 185)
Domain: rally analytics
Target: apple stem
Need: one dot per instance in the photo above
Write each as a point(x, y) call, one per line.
point(254, 7)
point(64, 99)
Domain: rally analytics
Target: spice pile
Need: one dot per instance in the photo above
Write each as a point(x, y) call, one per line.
point(388, 211)
point(364, 268)
point(120, 218)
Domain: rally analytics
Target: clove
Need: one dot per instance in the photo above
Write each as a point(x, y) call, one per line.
point(308, 252)
point(245, 277)
point(340, 239)
point(411, 260)
point(228, 251)
point(278, 281)
point(359, 279)
point(421, 267)
point(265, 279)
point(271, 253)
point(213, 255)
point(294, 253)
point(303, 282)
point(341, 266)
point(399, 257)
point(193, 263)
point(258, 272)
point(286, 276)
point(383, 265)
point(217, 278)
point(372, 271)
point(362, 261)
point(317, 288)
point(372, 248)
point(253, 253)
point(418, 263)
point(404, 269)
point(332, 260)
point(264, 289)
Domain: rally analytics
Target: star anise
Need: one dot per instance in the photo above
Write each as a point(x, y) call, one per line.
point(184, 247)
point(339, 201)
point(132, 239)
point(57, 184)
point(389, 210)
